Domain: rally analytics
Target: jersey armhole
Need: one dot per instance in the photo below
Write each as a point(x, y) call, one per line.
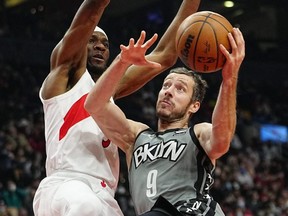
point(197, 143)
point(147, 129)
point(194, 138)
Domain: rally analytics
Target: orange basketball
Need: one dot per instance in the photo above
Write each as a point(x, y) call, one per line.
point(198, 39)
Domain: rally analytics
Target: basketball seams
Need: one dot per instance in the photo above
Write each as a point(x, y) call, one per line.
point(216, 44)
point(196, 43)
point(198, 40)
point(212, 16)
point(204, 22)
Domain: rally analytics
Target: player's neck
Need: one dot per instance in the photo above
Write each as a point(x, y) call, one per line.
point(165, 125)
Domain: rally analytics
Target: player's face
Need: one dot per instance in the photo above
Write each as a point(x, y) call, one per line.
point(174, 98)
point(98, 53)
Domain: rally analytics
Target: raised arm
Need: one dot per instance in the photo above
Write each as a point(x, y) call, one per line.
point(224, 114)
point(108, 115)
point(164, 53)
point(68, 58)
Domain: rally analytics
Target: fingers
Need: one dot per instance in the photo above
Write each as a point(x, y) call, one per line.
point(232, 40)
point(236, 39)
point(231, 37)
point(123, 48)
point(131, 42)
point(141, 38)
point(151, 41)
point(224, 51)
point(134, 53)
point(239, 39)
point(237, 43)
point(237, 34)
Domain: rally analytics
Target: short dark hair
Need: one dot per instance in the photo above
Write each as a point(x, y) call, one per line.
point(200, 86)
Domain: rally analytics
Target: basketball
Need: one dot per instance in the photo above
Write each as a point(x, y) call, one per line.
point(198, 38)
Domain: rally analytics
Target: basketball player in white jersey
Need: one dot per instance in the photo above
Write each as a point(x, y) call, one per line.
point(174, 166)
point(82, 165)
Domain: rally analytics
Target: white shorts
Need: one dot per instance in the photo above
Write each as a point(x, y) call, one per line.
point(63, 196)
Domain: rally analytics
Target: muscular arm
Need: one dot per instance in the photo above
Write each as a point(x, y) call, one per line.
point(164, 53)
point(68, 59)
point(108, 115)
point(218, 136)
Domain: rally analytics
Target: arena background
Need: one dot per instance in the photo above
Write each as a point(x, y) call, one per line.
point(251, 179)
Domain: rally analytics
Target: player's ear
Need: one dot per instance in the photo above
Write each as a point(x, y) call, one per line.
point(194, 107)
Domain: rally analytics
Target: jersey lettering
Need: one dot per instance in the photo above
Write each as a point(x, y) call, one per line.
point(170, 149)
point(209, 182)
point(75, 114)
point(194, 207)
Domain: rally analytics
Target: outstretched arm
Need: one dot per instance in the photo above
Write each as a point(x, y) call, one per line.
point(164, 53)
point(68, 58)
point(109, 117)
point(224, 114)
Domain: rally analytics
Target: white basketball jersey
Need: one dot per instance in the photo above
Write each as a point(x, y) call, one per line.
point(74, 142)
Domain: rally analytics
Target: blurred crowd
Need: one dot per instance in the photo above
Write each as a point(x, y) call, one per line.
point(251, 179)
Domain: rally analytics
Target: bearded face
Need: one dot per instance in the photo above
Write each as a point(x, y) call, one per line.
point(174, 99)
point(98, 54)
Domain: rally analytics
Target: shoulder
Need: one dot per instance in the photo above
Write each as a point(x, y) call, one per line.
point(137, 127)
point(202, 128)
point(203, 132)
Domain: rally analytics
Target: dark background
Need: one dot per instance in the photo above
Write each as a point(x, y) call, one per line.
point(251, 179)
point(30, 29)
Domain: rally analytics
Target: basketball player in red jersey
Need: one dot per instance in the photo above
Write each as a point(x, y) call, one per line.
point(82, 166)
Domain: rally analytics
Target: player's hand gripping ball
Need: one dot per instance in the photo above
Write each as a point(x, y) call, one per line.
point(198, 38)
